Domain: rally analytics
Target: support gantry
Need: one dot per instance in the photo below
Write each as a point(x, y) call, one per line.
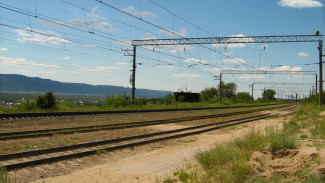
point(244, 39)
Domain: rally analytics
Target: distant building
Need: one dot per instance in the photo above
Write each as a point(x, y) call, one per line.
point(186, 97)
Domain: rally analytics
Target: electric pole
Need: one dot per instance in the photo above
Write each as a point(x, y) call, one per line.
point(320, 48)
point(219, 78)
point(252, 85)
point(316, 83)
point(132, 77)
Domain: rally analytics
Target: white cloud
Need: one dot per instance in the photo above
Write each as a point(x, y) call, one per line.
point(89, 45)
point(187, 76)
point(122, 63)
point(39, 38)
point(124, 43)
point(66, 58)
point(212, 69)
point(24, 61)
point(235, 45)
point(182, 32)
point(234, 60)
point(99, 69)
point(302, 54)
point(247, 76)
point(300, 3)
point(3, 49)
point(143, 14)
point(172, 48)
point(281, 68)
point(47, 72)
point(296, 69)
point(195, 60)
point(104, 26)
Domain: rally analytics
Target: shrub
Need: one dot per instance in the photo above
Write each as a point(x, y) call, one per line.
point(118, 101)
point(168, 99)
point(28, 105)
point(47, 101)
point(280, 139)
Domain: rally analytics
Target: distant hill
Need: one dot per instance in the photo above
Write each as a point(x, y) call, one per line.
point(20, 83)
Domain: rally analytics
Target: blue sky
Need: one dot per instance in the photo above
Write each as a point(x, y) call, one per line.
point(81, 40)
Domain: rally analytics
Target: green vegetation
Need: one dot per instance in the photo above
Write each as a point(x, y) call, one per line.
point(46, 102)
point(229, 162)
point(268, 95)
point(4, 178)
point(244, 97)
point(280, 139)
point(51, 102)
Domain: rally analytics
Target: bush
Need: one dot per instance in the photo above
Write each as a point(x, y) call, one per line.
point(168, 99)
point(47, 101)
point(280, 139)
point(28, 105)
point(118, 101)
point(244, 97)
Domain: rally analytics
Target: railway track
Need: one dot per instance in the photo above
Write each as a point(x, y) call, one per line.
point(18, 160)
point(89, 113)
point(83, 129)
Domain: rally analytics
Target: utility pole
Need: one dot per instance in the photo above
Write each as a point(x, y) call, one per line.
point(132, 77)
point(320, 49)
point(220, 86)
point(316, 83)
point(252, 85)
point(220, 79)
point(133, 73)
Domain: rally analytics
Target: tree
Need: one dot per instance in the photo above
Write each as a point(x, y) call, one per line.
point(269, 95)
point(208, 94)
point(244, 97)
point(228, 89)
point(168, 99)
point(46, 102)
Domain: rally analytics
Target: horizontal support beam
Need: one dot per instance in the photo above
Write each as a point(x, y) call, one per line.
point(268, 72)
point(229, 40)
point(281, 83)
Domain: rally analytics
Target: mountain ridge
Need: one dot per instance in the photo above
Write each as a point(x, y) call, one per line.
point(21, 83)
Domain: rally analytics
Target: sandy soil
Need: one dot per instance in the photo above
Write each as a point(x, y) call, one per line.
point(153, 162)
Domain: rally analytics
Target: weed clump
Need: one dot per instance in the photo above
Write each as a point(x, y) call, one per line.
point(228, 163)
point(280, 139)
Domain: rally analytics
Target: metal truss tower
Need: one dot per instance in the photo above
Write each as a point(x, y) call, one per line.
point(243, 39)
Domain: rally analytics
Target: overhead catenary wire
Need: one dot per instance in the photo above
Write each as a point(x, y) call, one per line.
point(175, 15)
point(60, 23)
point(176, 34)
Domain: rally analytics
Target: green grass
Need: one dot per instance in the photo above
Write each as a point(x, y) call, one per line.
point(4, 178)
point(280, 139)
point(319, 130)
point(314, 179)
point(228, 162)
point(304, 136)
point(318, 146)
point(168, 180)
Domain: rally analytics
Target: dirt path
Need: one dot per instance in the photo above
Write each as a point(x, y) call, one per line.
point(152, 162)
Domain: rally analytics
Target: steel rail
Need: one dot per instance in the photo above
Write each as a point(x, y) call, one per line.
point(111, 148)
point(57, 114)
point(83, 129)
point(91, 152)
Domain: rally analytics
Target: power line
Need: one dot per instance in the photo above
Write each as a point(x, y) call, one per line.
point(159, 27)
point(181, 18)
point(58, 22)
point(41, 33)
point(28, 14)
